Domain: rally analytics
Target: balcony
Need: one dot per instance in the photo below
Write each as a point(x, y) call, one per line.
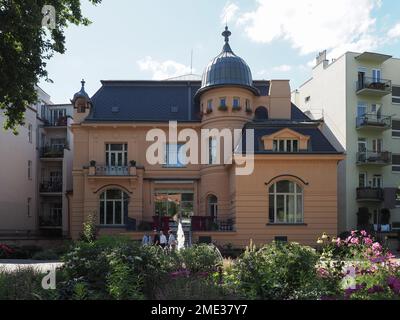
point(112, 171)
point(374, 87)
point(207, 223)
point(374, 158)
point(53, 151)
point(374, 122)
point(369, 194)
point(51, 186)
point(56, 122)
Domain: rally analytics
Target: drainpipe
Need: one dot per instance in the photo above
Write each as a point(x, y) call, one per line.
point(68, 194)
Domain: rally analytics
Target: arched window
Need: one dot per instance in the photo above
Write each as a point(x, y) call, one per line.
point(212, 206)
point(261, 114)
point(285, 202)
point(113, 207)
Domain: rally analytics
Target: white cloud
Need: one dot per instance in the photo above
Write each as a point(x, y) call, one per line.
point(394, 32)
point(228, 12)
point(283, 68)
point(163, 69)
point(314, 25)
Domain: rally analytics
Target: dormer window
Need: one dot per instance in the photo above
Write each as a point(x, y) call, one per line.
point(81, 108)
point(286, 145)
point(222, 102)
point(236, 103)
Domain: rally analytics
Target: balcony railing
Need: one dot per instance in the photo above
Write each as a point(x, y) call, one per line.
point(374, 121)
point(112, 170)
point(375, 158)
point(56, 122)
point(374, 86)
point(53, 151)
point(207, 223)
point(369, 194)
point(51, 186)
point(53, 220)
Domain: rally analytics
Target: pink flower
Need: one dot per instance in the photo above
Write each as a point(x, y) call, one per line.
point(364, 233)
point(368, 241)
point(354, 241)
point(376, 247)
point(338, 242)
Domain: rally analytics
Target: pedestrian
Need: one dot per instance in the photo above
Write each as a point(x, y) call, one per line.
point(156, 238)
point(171, 240)
point(163, 240)
point(146, 240)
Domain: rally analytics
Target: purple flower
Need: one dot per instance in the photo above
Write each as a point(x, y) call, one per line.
point(394, 284)
point(376, 289)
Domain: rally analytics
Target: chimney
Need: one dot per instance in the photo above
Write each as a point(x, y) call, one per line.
point(321, 58)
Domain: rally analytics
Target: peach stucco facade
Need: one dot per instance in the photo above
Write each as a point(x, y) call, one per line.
point(241, 199)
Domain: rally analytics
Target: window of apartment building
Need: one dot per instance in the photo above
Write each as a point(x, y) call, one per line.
point(212, 207)
point(285, 202)
point(376, 75)
point(396, 94)
point(377, 145)
point(396, 163)
point(174, 155)
point(116, 154)
point(30, 133)
point(212, 150)
point(286, 145)
point(58, 143)
point(28, 207)
point(396, 128)
point(362, 145)
point(113, 207)
point(377, 181)
point(236, 102)
point(362, 180)
point(57, 117)
point(29, 170)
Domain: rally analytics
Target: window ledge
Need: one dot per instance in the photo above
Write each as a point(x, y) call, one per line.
point(287, 224)
point(110, 226)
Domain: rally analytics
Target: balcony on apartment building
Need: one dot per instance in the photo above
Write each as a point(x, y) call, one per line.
point(51, 186)
point(373, 86)
point(51, 219)
point(372, 158)
point(374, 122)
point(55, 151)
point(207, 223)
point(55, 116)
point(370, 194)
point(113, 170)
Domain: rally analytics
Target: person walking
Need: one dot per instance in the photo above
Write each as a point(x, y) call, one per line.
point(163, 240)
point(156, 238)
point(171, 240)
point(146, 240)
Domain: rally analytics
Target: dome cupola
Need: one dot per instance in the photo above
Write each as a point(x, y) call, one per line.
point(227, 69)
point(81, 94)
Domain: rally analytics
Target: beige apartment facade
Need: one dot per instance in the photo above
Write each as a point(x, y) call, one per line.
point(291, 195)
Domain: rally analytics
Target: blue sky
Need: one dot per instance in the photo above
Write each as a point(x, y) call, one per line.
point(153, 39)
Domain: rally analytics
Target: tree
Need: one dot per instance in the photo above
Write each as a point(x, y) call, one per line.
point(26, 45)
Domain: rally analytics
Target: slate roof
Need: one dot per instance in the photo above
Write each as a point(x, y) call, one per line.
point(157, 101)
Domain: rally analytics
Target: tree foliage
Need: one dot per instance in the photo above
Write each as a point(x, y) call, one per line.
point(26, 46)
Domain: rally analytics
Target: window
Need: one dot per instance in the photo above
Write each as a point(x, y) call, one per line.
point(398, 197)
point(377, 145)
point(212, 207)
point(236, 103)
point(174, 155)
point(116, 155)
point(209, 105)
point(396, 94)
point(222, 102)
point(362, 180)
point(285, 202)
point(396, 128)
point(376, 75)
point(396, 163)
point(377, 181)
point(113, 207)
point(212, 150)
point(81, 108)
point(171, 203)
point(28, 207)
point(58, 143)
point(30, 133)
point(286, 145)
point(248, 105)
point(29, 170)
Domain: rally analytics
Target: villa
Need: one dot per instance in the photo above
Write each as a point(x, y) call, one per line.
point(289, 195)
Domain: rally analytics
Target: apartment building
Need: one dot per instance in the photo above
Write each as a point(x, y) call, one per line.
point(358, 96)
point(291, 195)
point(36, 172)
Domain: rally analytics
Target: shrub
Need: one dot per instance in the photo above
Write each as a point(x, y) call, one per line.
point(89, 233)
point(277, 271)
point(48, 255)
point(201, 258)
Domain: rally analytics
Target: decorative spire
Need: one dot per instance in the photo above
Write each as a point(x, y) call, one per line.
point(83, 84)
point(226, 34)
